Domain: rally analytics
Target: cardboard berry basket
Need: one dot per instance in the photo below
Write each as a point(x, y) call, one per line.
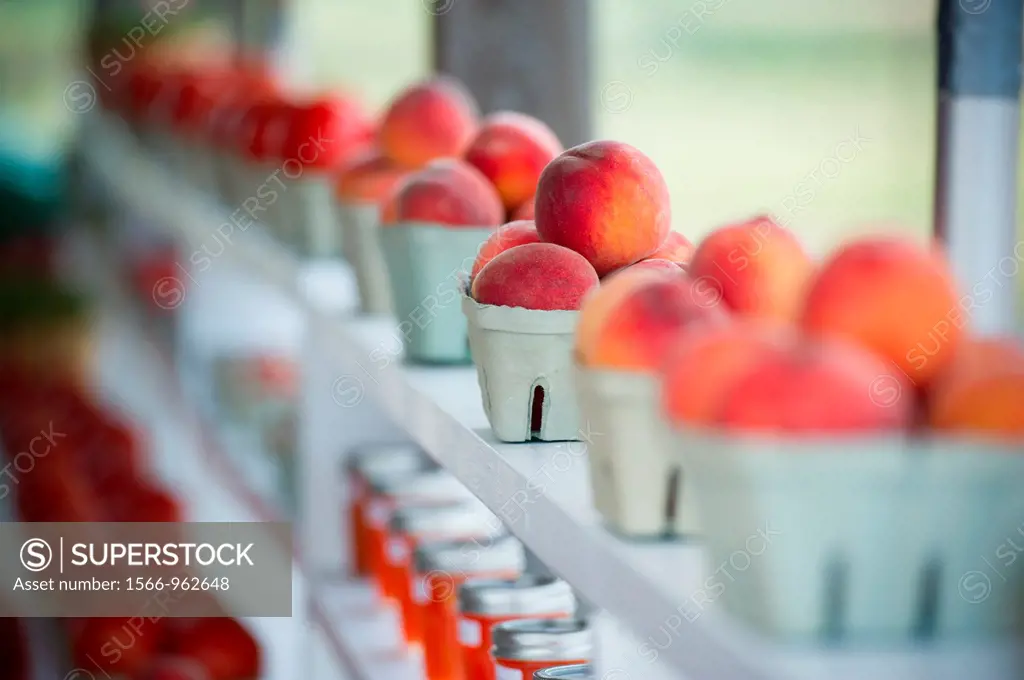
point(427, 266)
point(524, 364)
point(360, 222)
point(884, 539)
point(636, 475)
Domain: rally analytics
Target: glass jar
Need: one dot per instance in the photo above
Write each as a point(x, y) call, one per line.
point(521, 648)
point(440, 568)
point(414, 525)
point(437, 487)
point(485, 603)
point(378, 462)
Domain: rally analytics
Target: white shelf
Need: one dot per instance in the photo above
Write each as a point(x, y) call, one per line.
point(540, 490)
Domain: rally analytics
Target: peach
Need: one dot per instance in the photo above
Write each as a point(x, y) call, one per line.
point(433, 119)
point(701, 367)
point(676, 248)
point(633, 319)
point(605, 200)
point(757, 267)
point(511, 150)
point(535, 276)
point(508, 236)
point(893, 297)
point(449, 192)
point(369, 178)
point(982, 391)
point(820, 386)
point(651, 263)
point(525, 211)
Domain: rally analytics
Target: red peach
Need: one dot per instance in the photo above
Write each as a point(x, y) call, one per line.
point(173, 668)
point(535, 276)
point(893, 297)
point(676, 248)
point(651, 263)
point(701, 367)
point(757, 267)
point(605, 200)
point(113, 645)
point(823, 386)
point(369, 178)
point(525, 211)
point(449, 192)
point(433, 119)
point(221, 645)
point(632, 320)
point(507, 236)
point(511, 150)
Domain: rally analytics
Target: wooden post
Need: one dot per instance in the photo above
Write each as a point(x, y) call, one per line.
point(524, 55)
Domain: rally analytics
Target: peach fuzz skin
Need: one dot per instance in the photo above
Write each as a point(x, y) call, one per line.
point(605, 200)
point(651, 263)
point(982, 391)
point(433, 119)
point(758, 267)
point(704, 362)
point(825, 387)
point(448, 192)
point(368, 179)
point(507, 236)
point(893, 297)
point(676, 248)
point(539, 276)
point(511, 150)
point(632, 321)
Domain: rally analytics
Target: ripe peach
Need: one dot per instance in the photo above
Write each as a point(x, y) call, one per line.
point(605, 200)
point(225, 649)
point(893, 297)
point(635, 317)
point(433, 119)
point(757, 267)
point(702, 366)
point(507, 236)
point(369, 178)
point(676, 248)
point(525, 211)
point(535, 276)
point(982, 391)
point(822, 386)
point(449, 192)
point(511, 150)
point(651, 263)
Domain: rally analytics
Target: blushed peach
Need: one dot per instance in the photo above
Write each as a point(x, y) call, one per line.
point(535, 276)
point(507, 236)
point(511, 150)
point(433, 119)
point(605, 200)
point(701, 366)
point(634, 318)
point(525, 211)
point(757, 267)
point(982, 390)
point(821, 386)
point(651, 263)
point(370, 178)
point(676, 248)
point(449, 192)
point(893, 297)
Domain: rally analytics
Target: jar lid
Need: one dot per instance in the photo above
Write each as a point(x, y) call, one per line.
point(427, 485)
point(543, 640)
point(457, 519)
point(528, 595)
point(576, 671)
point(485, 555)
point(385, 459)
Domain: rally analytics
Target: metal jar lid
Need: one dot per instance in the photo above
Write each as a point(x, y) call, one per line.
point(392, 458)
point(446, 520)
point(528, 595)
point(543, 640)
point(576, 671)
point(486, 555)
point(428, 485)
